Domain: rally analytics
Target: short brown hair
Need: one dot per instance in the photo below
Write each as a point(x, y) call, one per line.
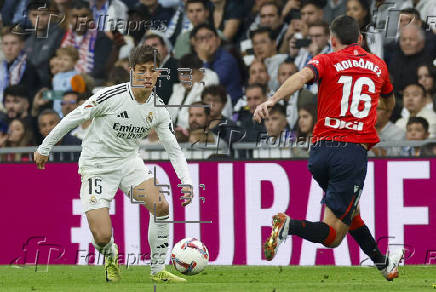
point(15, 31)
point(70, 51)
point(323, 24)
point(143, 54)
point(215, 90)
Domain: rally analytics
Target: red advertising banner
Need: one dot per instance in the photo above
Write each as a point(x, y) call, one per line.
point(42, 220)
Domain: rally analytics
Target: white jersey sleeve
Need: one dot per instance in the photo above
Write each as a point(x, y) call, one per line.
point(165, 131)
point(90, 109)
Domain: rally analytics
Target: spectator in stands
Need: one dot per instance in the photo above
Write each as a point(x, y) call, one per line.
point(69, 102)
point(19, 134)
point(312, 10)
point(216, 97)
point(227, 15)
point(47, 120)
point(319, 34)
point(81, 131)
point(189, 89)
point(410, 54)
point(333, 9)
point(417, 129)
point(306, 122)
point(178, 24)
point(387, 131)
point(258, 73)
point(360, 10)
point(63, 80)
point(94, 47)
point(16, 103)
point(427, 78)
point(276, 123)
point(290, 5)
point(197, 12)
point(410, 16)
point(108, 13)
point(270, 17)
point(199, 115)
point(294, 102)
point(16, 69)
point(207, 44)
point(255, 94)
point(13, 12)
point(42, 44)
point(165, 88)
point(265, 50)
point(414, 99)
point(63, 6)
point(157, 18)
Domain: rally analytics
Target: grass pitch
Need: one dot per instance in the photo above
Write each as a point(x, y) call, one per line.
point(219, 278)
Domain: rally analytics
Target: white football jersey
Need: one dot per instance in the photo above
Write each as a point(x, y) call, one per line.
point(119, 124)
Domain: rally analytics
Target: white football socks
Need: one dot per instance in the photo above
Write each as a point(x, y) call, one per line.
point(158, 241)
point(108, 250)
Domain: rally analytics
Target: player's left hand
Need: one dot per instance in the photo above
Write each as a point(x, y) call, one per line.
point(261, 111)
point(187, 195)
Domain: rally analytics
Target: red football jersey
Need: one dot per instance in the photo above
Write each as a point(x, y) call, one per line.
point(350, 82)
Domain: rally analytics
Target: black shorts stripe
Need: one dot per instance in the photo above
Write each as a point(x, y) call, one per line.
point(110, 91)
point(110, 95)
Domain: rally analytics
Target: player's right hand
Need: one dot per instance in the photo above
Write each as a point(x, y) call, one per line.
point(261, 111)
point(40, 160)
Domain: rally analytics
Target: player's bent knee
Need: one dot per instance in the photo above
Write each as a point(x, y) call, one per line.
point(101, 237)
point(102, 240)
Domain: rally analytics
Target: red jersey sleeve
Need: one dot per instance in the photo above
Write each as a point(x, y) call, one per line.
point(317, 65)
point(387, 87)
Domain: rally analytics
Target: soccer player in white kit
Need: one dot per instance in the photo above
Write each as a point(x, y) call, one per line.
point(122, 116)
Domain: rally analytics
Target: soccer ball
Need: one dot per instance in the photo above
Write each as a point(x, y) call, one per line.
point(190, 256)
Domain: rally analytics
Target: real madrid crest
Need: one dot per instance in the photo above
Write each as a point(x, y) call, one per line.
point(150, 117)
point(93, 200)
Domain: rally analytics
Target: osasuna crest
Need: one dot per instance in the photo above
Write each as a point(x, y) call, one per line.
point(150, 117)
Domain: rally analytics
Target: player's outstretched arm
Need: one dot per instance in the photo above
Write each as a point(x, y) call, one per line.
point(165, 131)
point(289, 87)
point(82, 113)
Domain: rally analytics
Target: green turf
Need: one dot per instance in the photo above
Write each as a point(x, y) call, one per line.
point(219, 278)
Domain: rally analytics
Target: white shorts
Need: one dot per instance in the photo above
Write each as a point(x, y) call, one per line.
point(99, 186)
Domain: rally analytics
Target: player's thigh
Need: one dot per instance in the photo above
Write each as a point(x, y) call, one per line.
point(140, 185)
point(347, 175)
point(96, 193)
point(318, 165)
point(100, 224)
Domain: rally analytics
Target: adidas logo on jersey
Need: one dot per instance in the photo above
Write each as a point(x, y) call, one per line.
point(123, 115)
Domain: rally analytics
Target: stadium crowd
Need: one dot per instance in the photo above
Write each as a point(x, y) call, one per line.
point(229, 54)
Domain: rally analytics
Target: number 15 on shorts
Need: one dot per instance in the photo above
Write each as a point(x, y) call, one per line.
point(94, 185)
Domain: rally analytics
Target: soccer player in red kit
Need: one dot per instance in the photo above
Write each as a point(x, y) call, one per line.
point(350, 82)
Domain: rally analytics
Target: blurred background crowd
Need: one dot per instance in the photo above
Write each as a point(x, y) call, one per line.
point(57, 53)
